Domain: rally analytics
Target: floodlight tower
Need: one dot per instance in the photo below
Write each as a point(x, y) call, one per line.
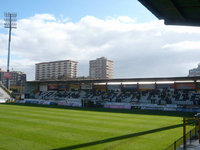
point(10, 22)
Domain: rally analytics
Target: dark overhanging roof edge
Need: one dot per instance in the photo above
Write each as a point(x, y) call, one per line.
point(120, 80)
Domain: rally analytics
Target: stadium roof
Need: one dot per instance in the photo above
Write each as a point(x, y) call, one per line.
point(175, 12)
point(160, 79)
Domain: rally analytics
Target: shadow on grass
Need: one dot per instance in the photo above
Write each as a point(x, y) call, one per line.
point(132, 111)
point(118, 138)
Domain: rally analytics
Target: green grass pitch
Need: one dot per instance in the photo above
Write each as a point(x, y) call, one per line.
point(45, 128)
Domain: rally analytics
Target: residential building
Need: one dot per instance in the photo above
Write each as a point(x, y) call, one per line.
point(17, 80)
point(101, 68)
point(63, 69)
point(1, 75)
point(194, 72)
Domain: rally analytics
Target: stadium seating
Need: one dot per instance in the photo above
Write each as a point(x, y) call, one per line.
point(159, 96)
point(4, 94)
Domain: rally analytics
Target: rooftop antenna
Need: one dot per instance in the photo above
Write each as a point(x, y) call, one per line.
point(10, 22)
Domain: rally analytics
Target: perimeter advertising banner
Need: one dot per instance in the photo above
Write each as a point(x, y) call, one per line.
point(117, 105)
point(164, 86)
point(71, 103)
point(185, 86)
point(75, 86)
point(63, 87)
point(100, 87)
point(52, 87)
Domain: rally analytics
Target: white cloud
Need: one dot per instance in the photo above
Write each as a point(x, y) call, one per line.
point(43, 17)
point(138, 49)
point(183, 46)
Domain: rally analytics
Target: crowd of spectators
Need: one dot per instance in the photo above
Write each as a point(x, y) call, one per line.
point(158, 96)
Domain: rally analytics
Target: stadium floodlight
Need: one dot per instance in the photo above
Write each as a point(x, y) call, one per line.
point(10, 22)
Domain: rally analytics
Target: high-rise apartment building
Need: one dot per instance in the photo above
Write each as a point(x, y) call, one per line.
point(194, 72)
point(63, 69)
point(101, 68)
point(18, 78)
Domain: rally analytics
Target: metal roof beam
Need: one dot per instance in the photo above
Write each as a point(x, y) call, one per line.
point(178, 9)
point(149, 5)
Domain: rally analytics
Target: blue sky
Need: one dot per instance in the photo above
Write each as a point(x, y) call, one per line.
point(121, 30)
point(76, 9)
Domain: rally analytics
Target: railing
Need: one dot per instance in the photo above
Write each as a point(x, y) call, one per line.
point(189, 136)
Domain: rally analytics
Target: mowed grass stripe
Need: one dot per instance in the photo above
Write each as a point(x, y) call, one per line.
point(88, 122)
point(51, 129)
point(125, 123)
point(41, 136)
point(68, 114)
point(114, 118)
point(73, 113)
point(68, 128)
point(87, 130)
point(81, 114)
point(56, 111)
point(12, 143)
point(94, 124)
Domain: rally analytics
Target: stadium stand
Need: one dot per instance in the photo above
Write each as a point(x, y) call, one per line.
point(140, 93)
point(166, 98)
point(4, 94)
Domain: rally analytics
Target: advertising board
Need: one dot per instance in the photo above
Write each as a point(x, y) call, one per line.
point(7, 75)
